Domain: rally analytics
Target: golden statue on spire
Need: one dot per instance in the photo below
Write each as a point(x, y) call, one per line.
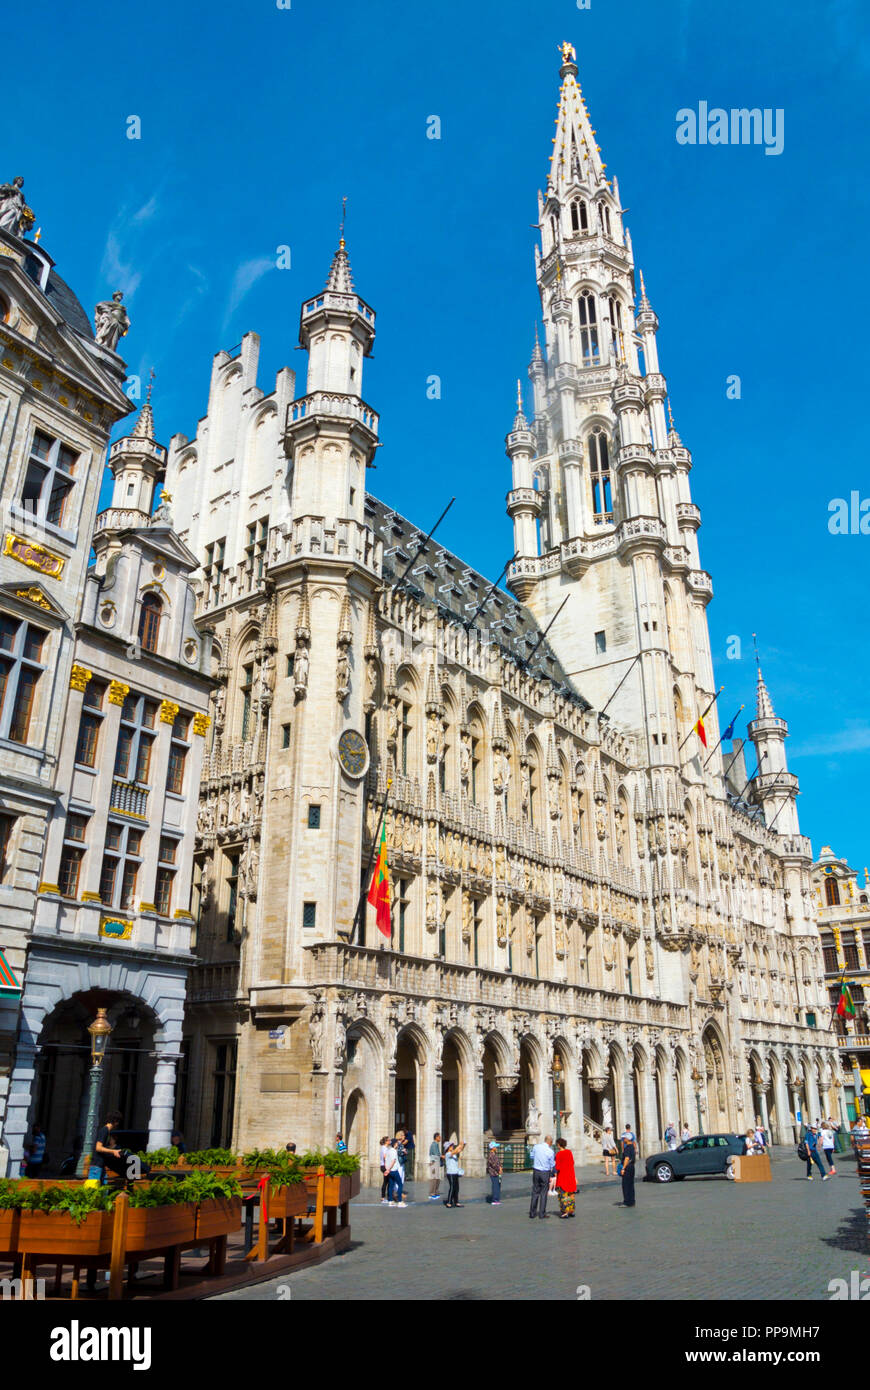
point(568, 52)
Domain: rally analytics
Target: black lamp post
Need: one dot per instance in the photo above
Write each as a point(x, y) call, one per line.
point(100, 1031)
point(558, 1081)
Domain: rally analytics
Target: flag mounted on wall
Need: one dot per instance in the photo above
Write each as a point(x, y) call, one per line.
point(844, 1003)
point(701, 731)
point(379, 892)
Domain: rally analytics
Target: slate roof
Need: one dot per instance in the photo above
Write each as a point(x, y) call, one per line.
point(61, 297)
point(441, 580)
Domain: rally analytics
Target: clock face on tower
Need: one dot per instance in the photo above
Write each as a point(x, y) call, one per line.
point(353, 753)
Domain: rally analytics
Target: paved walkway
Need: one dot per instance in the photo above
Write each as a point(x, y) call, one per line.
point(704, 1238)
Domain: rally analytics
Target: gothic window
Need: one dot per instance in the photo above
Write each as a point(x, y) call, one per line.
point(223, 1101)
point(604, 211)
point(599, 472)
point(232, 878)
point(579, 216)
point(554, 229)
point(476, 905)
point(150, 614)
point(588, 315)
point(832, 892)
point(247, 694)
point(214, 568)
point(476, 750)
point(255, 550)
point(615, 312)
point(21, 665)
point(400, 910)
point(49, 480)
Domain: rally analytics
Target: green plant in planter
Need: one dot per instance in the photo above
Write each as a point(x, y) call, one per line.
point(79, 1202)
point(212, 1158)
point(201, 1187)
point(11, 1195)
point(161, 1158)
point(285, 1177)
point(334, 1164)
point(269, 1160)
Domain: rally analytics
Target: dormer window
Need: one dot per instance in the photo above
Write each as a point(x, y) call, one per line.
point(149, 622)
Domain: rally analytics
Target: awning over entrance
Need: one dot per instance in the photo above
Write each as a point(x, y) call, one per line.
point(8, 982)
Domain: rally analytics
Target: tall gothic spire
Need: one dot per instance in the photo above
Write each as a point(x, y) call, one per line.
point(763, 702)
point(576, 157)
point(339, 280)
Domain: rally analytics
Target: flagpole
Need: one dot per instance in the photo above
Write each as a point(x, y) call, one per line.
point(721, 736)
point(754, 774)
point(701, 716)
point(360, 907)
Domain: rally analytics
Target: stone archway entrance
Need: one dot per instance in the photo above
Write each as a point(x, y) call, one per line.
point(451, 1089)
point(716, 1086)
point(59, 1098)
point(356, 1124)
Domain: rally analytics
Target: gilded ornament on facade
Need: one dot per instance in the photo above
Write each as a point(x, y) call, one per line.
point(79, 677)
point(35, 556)
point(118, 693)
point(168, 712)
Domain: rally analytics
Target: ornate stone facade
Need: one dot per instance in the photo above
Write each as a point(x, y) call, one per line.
point(573, 874)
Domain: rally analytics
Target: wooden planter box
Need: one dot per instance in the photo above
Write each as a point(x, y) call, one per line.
point(337, 1190)
point(153, 1228)
point(289, 1201)
point(218, 1216)
point(9, 1221)
point(55, 1233)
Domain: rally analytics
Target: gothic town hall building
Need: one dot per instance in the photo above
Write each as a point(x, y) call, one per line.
point(590, 914)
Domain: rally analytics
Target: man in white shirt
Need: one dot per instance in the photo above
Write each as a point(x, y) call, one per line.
point(543, 1172)
point(827, 1140)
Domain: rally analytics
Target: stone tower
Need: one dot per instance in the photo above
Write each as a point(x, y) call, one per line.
point(600, 501)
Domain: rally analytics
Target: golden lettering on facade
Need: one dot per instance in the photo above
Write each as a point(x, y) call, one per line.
point(34, 555)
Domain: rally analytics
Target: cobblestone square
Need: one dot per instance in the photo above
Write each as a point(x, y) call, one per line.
point(701, 1239)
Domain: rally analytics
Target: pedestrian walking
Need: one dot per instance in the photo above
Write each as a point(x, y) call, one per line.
point(685, 1133)
point(401, 1144)
point(454, 1173)
point(543, 1174)
point(494, 1172)
point(629, 1158)
point(340, 1146)
point(394, 1181)
point(436, 1163)
point(810, 1145)
point(610, 1151)
point(671, 1135)
point(760, 1140)
point(827, 1139)
point(35, 1152)
point(566, 1180)
point(382, 1154)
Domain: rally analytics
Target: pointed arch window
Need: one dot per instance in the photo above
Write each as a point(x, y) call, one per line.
point(579, 216)
point(599, 472)
point(554, 229)
point(588, 314)
point(150, 615)
point(615, 313)
point(604, 211)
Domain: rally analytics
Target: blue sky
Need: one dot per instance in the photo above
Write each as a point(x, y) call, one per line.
point(257, 120)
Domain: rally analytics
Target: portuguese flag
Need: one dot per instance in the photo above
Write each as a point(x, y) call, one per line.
point(844, 1004)
point(379, 892)
point(701, 731)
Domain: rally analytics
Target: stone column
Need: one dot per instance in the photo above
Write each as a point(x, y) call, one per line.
point(782, 1126)
point(163, 1097)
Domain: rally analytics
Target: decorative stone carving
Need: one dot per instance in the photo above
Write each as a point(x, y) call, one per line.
point(507, 1083)
point(315, 1034)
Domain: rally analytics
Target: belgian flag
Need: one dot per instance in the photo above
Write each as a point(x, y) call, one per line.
point(379, 892)
point(701, 731)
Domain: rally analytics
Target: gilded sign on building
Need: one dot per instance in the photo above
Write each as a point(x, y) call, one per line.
point(34, 555)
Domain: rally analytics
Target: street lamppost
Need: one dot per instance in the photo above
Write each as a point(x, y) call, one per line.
point(99, 1030)
point(558, 1078)
point(696, 1077)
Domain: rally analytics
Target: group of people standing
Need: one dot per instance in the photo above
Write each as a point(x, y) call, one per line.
point(819, 1140)
point(553, 1171)
point(394, 1158)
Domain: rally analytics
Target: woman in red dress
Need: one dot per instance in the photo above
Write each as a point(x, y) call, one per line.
point(566, 1180)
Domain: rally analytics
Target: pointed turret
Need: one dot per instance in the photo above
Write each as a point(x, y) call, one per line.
point(576, 158)
point(340, 280)
point(138, 464)
point(775, 788)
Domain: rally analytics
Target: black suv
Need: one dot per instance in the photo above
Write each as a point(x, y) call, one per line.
point(705, 1153)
